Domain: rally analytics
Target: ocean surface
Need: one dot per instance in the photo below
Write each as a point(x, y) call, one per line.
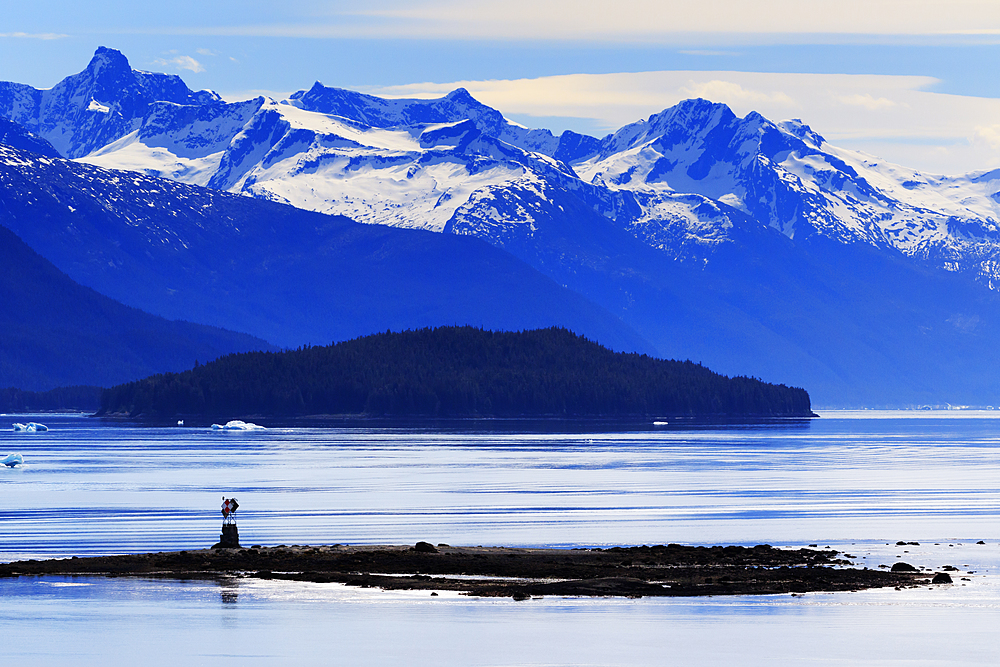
point(856, 481)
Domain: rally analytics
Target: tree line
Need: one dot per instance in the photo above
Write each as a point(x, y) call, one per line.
point(80, 397)
point(452, 372)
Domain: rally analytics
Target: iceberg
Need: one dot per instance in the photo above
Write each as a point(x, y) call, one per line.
point(237, 425)
point(12, 460)
point(30, 427)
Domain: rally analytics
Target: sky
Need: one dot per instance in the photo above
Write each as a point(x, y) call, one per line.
point(911, 82)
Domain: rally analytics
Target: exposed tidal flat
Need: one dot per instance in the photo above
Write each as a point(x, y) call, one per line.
point(857, 483)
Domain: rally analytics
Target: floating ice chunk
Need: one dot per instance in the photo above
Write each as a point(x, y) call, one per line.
point(237, 425)
point(12, 460)
point(30, 427)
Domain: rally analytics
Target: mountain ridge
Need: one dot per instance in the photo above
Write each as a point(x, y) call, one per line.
point(657, 174)
point(678, 224)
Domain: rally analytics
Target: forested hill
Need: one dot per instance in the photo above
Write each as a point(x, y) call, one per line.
point(78, 397)
point(452, 372)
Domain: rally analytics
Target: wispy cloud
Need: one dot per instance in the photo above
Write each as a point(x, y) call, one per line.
point(680, 22)
point(37, 35)
point(867, 100)
point(988, 135)
point(180, 62)
point(630, 19)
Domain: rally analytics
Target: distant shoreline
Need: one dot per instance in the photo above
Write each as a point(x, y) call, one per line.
point(520, 573)
point(416, 421)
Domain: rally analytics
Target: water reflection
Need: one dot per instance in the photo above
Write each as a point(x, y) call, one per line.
point(229, 590)
point(111, 621)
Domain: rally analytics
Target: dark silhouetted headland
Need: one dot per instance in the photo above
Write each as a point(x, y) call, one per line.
point(453, 372)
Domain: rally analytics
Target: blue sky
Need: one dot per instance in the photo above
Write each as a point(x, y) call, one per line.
point(913, 82)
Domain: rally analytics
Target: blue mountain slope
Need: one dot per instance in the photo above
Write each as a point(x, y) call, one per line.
point(54, 332)
point(16, 136)
point(289, 276)
point(855, 325)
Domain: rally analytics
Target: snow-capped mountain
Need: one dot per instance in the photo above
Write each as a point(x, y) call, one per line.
point(681, 180)
point(787, 176)
point(86, 111)
point(754, 246)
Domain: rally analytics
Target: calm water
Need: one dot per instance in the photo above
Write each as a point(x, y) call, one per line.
point(855, 481)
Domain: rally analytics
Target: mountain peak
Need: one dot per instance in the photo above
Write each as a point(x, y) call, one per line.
point(697, 110)
point(699, 103)
point(797, 128)
point(679, 123)
point(317, 87)
point(102, 103)
point(108, 60)
point(693, 115)
point(463, 96)
point(109, 52)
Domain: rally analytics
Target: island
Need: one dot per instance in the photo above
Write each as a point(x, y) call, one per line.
point(520, 573)
point(448, 372)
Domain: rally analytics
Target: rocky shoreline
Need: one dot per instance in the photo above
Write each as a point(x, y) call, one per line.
point(670, 570)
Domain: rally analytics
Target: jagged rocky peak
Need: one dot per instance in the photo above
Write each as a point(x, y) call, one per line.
point(797, 128)
point(88, 110)
point(693, 113)
point(715, 132)
point(683, 122)
point(112, 78)
point(109, 62)
point(574, 146)
point(107, 85)
point(463, 96)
